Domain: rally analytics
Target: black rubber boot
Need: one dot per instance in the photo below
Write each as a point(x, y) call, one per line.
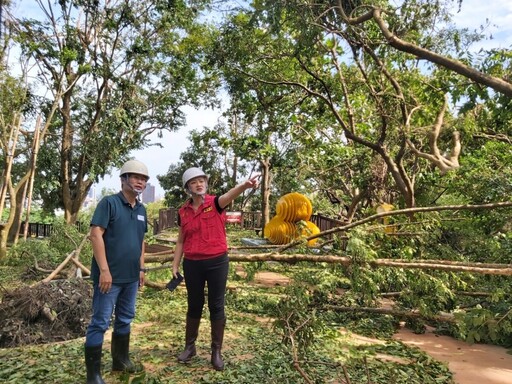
point(191, 333)
point(120, 353)
point(217, 339)
point(93, 364)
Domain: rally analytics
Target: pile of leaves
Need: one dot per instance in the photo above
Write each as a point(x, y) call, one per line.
point(44, 313)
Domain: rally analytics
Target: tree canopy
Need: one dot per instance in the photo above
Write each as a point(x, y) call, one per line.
point(118, 71)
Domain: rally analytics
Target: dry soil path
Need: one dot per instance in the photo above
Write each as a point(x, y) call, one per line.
point(470, 364)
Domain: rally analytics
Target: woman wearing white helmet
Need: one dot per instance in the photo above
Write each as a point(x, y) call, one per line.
point(202, 244)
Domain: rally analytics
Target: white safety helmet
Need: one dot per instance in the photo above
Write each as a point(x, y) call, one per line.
point(190, 173)
point(134, 166)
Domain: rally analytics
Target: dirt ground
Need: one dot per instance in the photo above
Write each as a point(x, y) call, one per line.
point(470, 364)
point(27, 316)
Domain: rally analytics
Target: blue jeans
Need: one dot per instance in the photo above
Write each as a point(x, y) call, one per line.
point(120, 301)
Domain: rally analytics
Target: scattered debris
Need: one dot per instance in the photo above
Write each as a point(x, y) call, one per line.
point(58, 310)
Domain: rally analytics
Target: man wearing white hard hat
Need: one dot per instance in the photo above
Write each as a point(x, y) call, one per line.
point(117, 233)
point(203, 246)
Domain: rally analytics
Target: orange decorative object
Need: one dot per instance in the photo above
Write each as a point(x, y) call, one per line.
point(293, 212)
point(293, 207)
point(279, 231)
point(308, 230)
point(385, 207)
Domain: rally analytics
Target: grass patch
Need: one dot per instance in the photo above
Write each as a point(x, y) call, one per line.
point(255, 351)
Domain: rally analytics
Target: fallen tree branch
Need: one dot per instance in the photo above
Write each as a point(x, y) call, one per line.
point(157, 259)
point(63, 264)
point(38, 268)
point(397, 212)
point(84, 269)
point(58, 269)
point(440, 265)
point(393, 312)
point(459, 293)
point(166, 252)
point(152, 284)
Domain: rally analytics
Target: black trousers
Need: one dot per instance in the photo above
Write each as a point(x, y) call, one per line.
point(198, 273)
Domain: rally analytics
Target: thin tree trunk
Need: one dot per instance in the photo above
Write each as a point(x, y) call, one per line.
point(14, 229)
point(10, 149)
point(265, 192)
point(33, 162)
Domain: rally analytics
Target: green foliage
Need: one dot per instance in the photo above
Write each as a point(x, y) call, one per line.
point(296, 320)
point(25, 252)
point(115, 90)
point(254, 301)
point(66, 238)
point(255, 350)
point(485, 175)
point(364, 281)
point(52, 250)
point(488, 321)
point(421, 370)
point(153, 209)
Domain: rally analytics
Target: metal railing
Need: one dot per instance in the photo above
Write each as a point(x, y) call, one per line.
point(41, 230)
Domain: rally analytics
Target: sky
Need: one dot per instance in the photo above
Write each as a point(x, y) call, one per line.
point(499, 13)
point(173, 144)
point(474, 13)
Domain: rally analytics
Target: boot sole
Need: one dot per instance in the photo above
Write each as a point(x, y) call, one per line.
point(187, 360)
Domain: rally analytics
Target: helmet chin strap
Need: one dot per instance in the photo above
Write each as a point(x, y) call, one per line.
point(138, 191)
point(201, 194)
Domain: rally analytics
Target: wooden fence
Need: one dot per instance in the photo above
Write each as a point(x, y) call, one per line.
point(168, 218)
point(325, 223)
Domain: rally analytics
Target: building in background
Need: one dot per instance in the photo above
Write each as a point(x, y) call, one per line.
point(148, 196)
point(91, 198)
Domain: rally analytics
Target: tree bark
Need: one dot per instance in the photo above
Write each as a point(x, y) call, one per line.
point(14, 229)
point(456, 66)
point(32, 172)
point(265, 192)
point(73, 254)
point(439, 265)
point(392, 312)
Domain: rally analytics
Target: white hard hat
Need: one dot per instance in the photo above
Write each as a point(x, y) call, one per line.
point(134, 166)
point(190, 173)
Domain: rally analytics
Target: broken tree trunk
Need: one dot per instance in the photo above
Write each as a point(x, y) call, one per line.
point(440, 265)
point(75, 253)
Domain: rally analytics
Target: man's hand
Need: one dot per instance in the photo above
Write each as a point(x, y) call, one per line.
point(142, 277)
point(105, 282)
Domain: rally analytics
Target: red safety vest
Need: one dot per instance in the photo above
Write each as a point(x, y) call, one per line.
point(203, 231)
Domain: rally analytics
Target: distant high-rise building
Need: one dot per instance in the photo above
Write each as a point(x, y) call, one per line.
point(148, 196)
point(90, 199)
